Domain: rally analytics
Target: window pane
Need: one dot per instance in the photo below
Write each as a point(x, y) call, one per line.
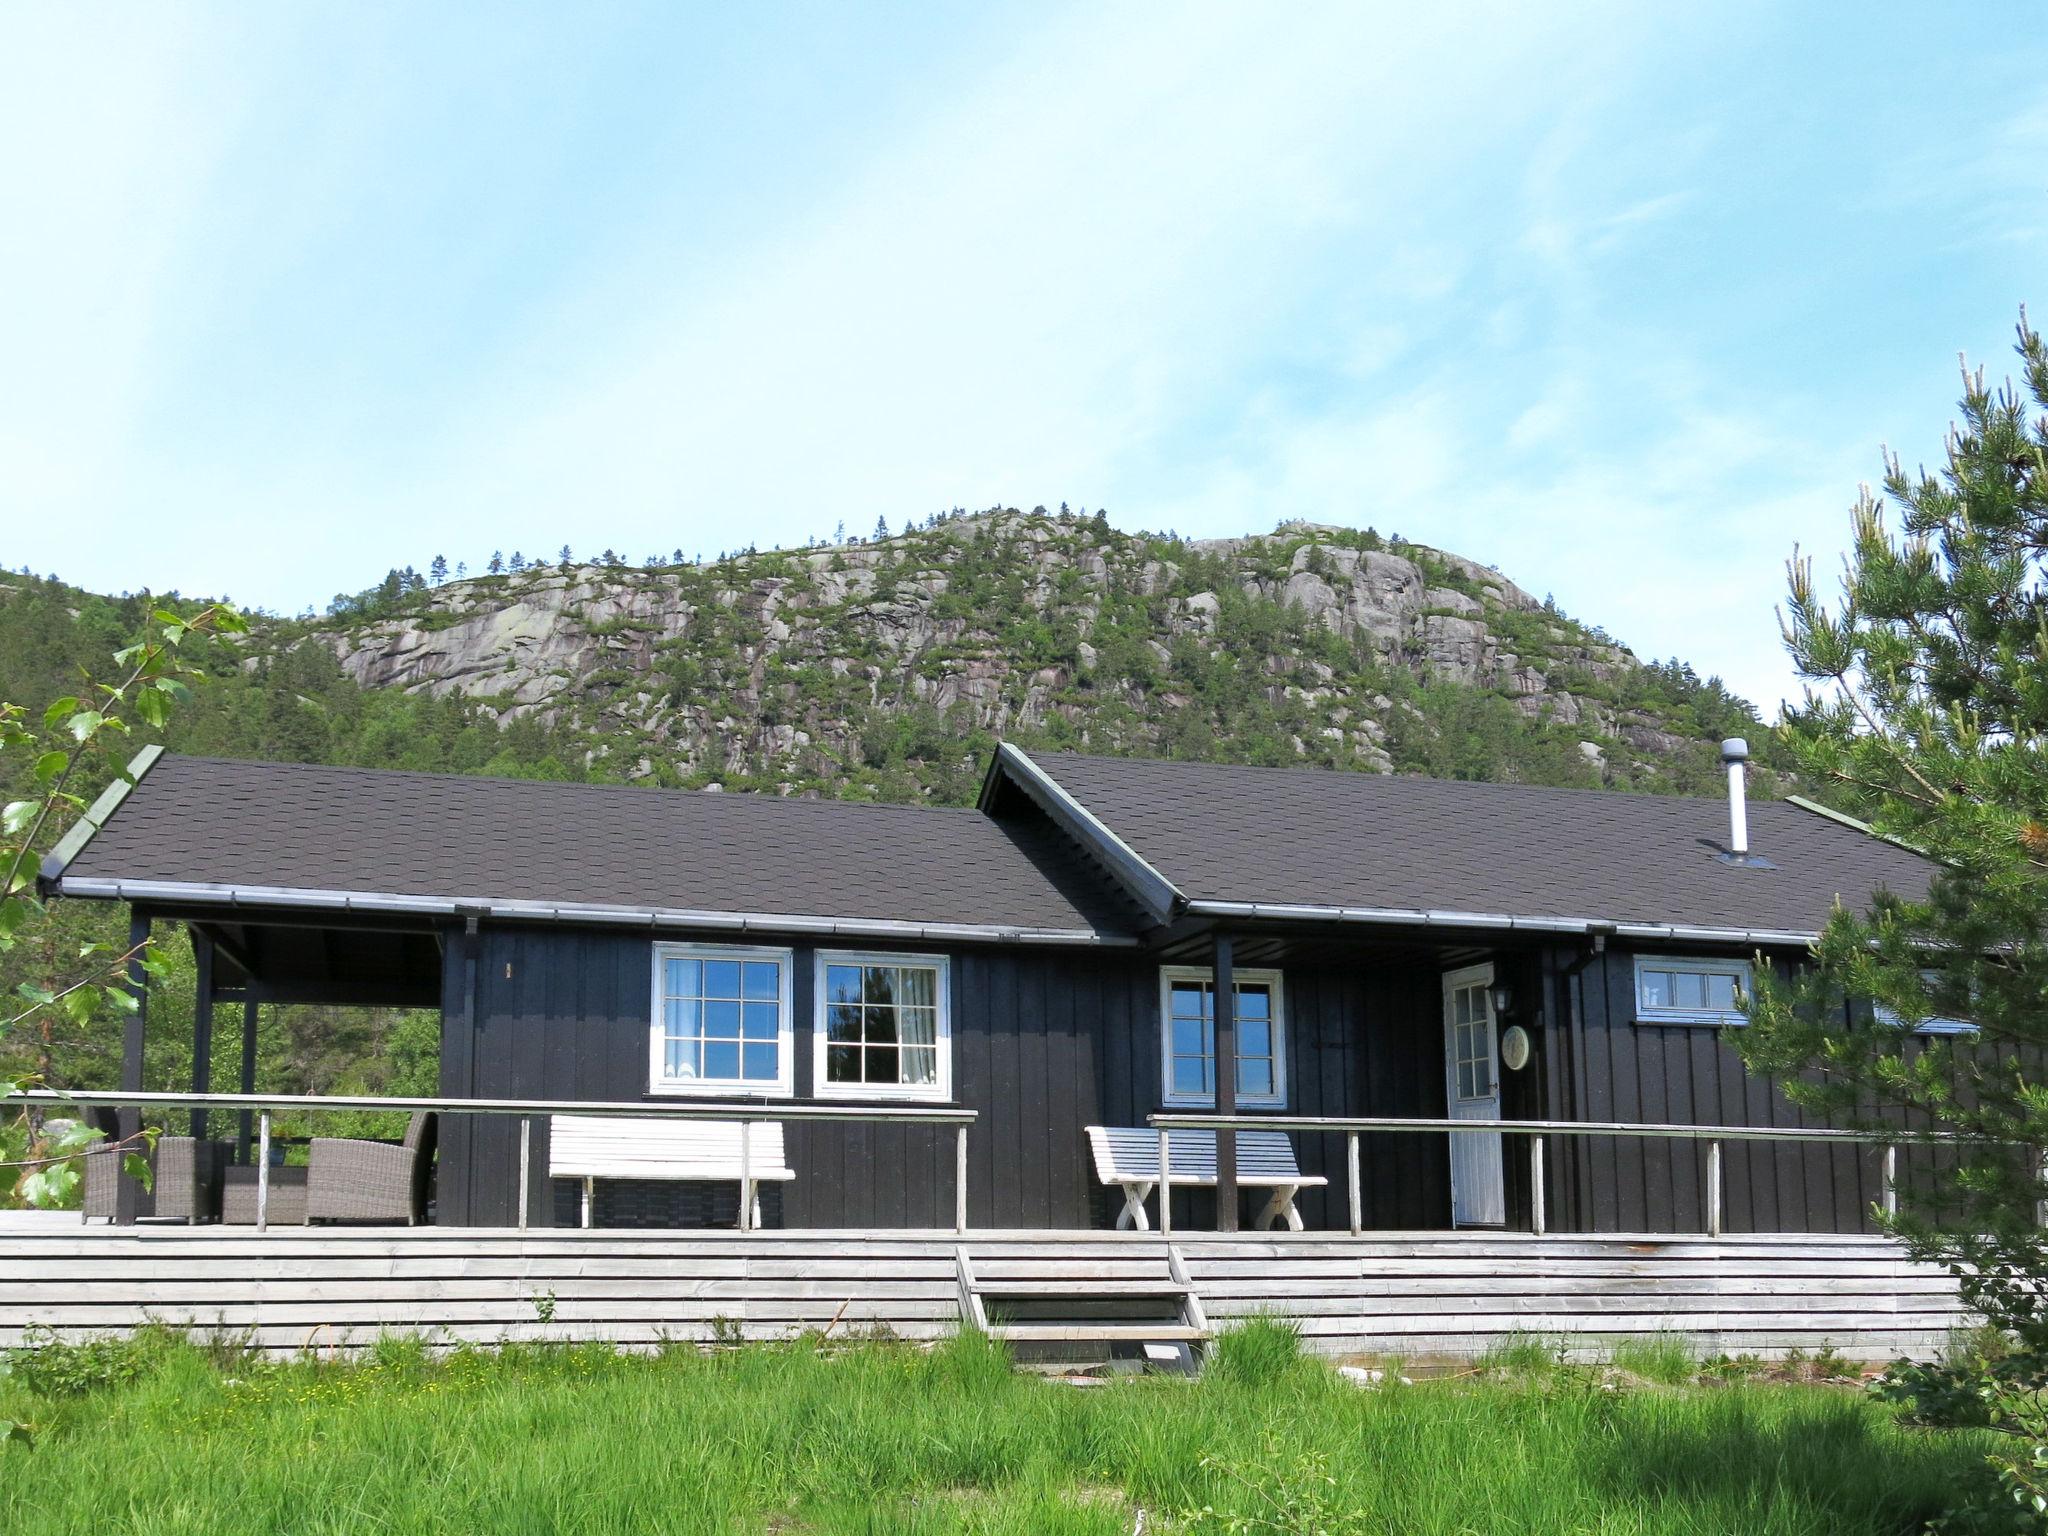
point(1465, 1080)
point(1689, 987)
point(760, 1021)
point(1721, 992)
point(881, 1025)
point(842, 1022)
point(682, 978)
point(842, 983)
point(921, 1066)
point(1482, 1079)
point(722, 1020)
point(759, 1061)
point(919, 986)
point(1254, 1038)
point(721, 1058)
point(1255, 1001)
point(878, 984)
point(679, 1015)
point(1189, 1038)
point(721, 978)
point(1190, 1000)
point(1657, 989)
point(919, 1026)
point(682, 1058)
point(881, 1064)
point(1255, 1077)
point(763, 979)
point(842, 1063)
point(1190, 1074)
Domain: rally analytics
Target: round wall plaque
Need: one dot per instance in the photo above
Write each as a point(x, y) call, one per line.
point(1514, 1048)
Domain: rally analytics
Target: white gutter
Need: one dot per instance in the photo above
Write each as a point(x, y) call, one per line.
point(1418, 917)
point(285, 898)
point(1153, 891)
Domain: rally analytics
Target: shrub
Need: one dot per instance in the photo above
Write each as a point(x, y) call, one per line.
point(50, 1366)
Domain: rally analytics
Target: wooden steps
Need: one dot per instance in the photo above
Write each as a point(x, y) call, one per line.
point(1434, 1294)
point(1089, 1303)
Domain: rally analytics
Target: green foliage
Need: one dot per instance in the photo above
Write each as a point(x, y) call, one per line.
point(1927, 711)
point(1668, 1358)
point(50, 1366)
point(1256, 1352)
point(869, 1437)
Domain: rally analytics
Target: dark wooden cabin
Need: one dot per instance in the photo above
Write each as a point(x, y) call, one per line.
point(1046, 960)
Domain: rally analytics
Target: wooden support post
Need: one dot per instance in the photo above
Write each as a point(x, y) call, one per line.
point(202, 1026)
point(1537, 1215)
point(247, 1129)
point(1225, 1005)
point(960, 1178)
point(263, 1172)
point(746, 1176)
point(525, 1166)
point(128, 1120)
point(1891, 1180)
point(1357, 1189)
point(1713, 1189)
point(1165, 1184)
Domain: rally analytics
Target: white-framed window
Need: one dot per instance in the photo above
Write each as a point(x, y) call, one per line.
point(884, 1027)
point(721, 1020)
point(1684, 989)
point(1187, 1037)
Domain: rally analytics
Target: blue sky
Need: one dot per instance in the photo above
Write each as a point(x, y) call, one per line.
point(1621, 302)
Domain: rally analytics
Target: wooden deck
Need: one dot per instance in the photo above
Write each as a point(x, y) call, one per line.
point(1415, 1294)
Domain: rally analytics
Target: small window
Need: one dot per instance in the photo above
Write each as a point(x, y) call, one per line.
point(721, 1020)
point(883, 1030)
point(1673, 989)
point(1188, 1037)
point(1939, 1024)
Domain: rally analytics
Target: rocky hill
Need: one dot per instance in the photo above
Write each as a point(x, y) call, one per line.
point(886, 667)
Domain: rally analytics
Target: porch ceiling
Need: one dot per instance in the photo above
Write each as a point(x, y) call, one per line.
point(311, 963)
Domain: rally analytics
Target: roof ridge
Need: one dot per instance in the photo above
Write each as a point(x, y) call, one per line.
point(430, 775)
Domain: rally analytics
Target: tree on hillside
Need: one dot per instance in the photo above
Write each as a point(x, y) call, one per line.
point(518, 562)
point(1927, 711)
point(438, 571)
point(881, 529)
point(497, 565)
point(565, 559)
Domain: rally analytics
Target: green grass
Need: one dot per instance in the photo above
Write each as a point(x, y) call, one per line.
point(875, 1438)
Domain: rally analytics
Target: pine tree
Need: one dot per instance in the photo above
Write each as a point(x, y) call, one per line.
point(518, 562)
point(881, 529)
point(565, 559)
point(438, 571)
point(676, 558)
point(461, 570)
point(1927, 712)
point(497, 565)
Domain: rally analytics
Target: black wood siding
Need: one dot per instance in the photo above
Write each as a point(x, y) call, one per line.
point(1606, 1066)
point(1044, 1043)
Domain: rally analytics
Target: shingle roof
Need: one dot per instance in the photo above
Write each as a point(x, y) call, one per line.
point(1331, 839)
point(293, 826)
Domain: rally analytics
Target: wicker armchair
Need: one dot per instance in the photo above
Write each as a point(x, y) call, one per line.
point(349, 1180)
point(186, 1176)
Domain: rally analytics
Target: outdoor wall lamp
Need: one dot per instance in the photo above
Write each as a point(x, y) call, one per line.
point(1502, 997)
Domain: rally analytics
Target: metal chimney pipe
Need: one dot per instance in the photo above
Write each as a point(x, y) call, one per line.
point(1735, 753)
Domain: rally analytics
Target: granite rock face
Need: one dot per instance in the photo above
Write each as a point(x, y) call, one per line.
point(775, 667)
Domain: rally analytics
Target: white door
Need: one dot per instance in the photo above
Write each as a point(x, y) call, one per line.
point(1472, 1075)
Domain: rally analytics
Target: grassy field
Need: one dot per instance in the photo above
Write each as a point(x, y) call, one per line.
point(883, 1438)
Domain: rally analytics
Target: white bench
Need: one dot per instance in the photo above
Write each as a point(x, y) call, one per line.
point(1129, 1156)
point(593, 1147)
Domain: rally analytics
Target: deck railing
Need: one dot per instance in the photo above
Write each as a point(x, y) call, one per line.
point(524, 1110)
point(1538, 1131)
